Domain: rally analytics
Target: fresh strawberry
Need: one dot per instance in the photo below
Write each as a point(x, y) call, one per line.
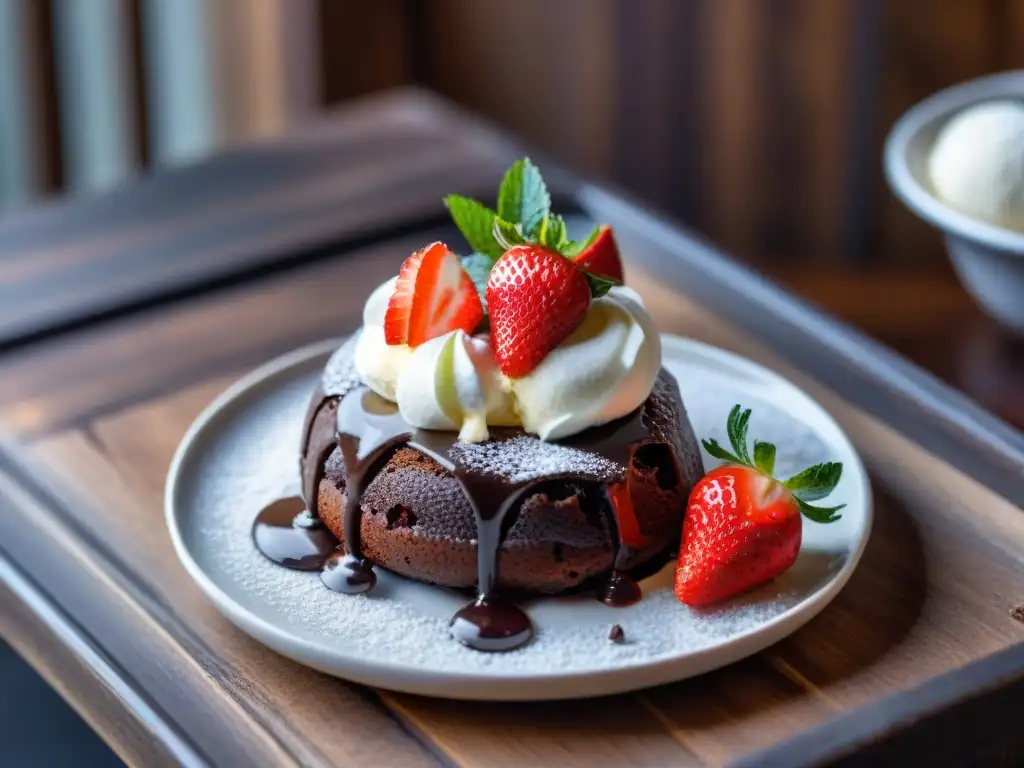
point(433, 295)
point(742, 526)
point(601, 257)
point(535, 298)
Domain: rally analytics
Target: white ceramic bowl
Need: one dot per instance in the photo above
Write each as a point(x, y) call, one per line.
point(988, 258)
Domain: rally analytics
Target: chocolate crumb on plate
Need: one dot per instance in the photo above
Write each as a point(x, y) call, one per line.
point(1017, 612)
point(617, 635)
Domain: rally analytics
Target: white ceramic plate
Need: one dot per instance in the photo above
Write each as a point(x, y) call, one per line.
point(241, 453)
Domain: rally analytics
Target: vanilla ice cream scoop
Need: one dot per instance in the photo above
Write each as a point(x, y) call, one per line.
point(976, 164)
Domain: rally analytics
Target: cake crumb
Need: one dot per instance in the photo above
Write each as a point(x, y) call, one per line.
point(1017, 612)
point(617, 635)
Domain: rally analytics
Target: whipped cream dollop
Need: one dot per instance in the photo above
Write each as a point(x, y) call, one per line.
point(603, 371)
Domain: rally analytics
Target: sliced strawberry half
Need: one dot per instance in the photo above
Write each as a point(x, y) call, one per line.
point(433, 295)
point(601, 257)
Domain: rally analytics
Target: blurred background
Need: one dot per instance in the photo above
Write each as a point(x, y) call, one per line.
point(758, 123)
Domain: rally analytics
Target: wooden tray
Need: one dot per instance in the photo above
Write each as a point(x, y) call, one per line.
point(920, 659)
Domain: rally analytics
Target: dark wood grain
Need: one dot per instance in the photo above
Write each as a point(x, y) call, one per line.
point(564, 108)
point(127, 593)
point(930, 319)
point(711, 109)
point(147, 354)
point(337, 181)
point(86, 680)
point(364, 47)
point(42, 63)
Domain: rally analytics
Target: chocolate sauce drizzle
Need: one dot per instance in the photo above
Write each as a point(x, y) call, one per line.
point(366, 428)
point(287, 534)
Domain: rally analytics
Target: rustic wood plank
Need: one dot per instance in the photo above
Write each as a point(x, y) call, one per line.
point(931, 594)
point(383, 161)
point(157, 351)
point(163, 632)
point(741, 709)
point(615, 731)
point(82, 678)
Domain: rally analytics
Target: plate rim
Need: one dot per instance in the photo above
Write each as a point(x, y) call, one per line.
point(495, 685)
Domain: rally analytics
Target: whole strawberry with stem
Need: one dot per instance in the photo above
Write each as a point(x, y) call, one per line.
point(742, 525)
point(536, 298)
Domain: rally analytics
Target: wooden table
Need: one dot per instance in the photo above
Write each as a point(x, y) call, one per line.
point(125, 315)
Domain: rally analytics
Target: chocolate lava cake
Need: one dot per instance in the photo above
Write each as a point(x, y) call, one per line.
point(609, 500)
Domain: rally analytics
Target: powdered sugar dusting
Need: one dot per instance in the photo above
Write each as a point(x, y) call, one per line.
point(249, 460)
point(340, 376)
point(524, 458)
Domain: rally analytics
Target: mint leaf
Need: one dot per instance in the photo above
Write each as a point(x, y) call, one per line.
point(476, 222)
point(815, 482)
point(764, 457)
point(714, 449)
point(819, 514)
point(552, 234)
point(736, 428)
point(576, 247)
point(599, 286)
point(506, 234)
point(478, 266)
point(523, 197)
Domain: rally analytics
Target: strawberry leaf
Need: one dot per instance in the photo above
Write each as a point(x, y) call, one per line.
point(576, 247)
point(523, 197)
point(599, 286)
point(764, 457)
point(476, 223)
point(714, 449)
point(506, 234)
point(819, 514)
point(815, 482)
point(736, 428)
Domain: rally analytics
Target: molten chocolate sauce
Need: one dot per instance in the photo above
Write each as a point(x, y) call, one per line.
point(366, 428)
point(348, 574)
point(619, 591)
point(289, 536)
point(320, 440)
point(491, 626)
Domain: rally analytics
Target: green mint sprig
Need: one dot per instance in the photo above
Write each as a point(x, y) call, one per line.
point(523, 217)
point(476, 223)
point(812, 484)
point(523, 197)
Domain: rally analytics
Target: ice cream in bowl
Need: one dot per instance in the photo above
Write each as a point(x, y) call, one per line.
point(957, 160)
